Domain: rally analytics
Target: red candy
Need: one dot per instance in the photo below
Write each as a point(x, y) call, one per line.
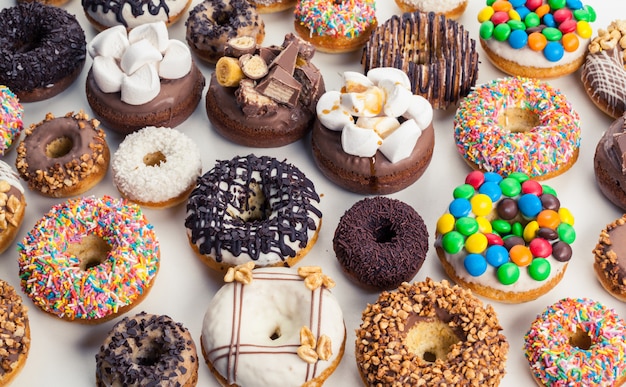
point(533, 4)
point(475, 179)
point(561, 15)
point(568, 26)
point(493, 239)
point(540, 247)
point(500, 18)
point(532, 187)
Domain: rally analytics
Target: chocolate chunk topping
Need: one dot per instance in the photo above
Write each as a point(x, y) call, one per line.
point(280, 86)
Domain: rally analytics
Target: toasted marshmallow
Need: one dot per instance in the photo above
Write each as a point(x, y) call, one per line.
point(330, 112)
point(360, 142)
point(176, 61)
point(355, 82)
point(382, 125)
point(420, 110)
point(155, 33)
point(397, 98)
point(397, 76)
point(111, 42)
point(399, 144)
point(107, 74)
point(364, 104)
point(142, 86)
point(137, 55)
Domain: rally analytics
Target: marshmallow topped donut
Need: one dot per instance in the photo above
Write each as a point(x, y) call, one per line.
point(142, 78)
point(132, 13)
point(273, 327)
point(374, 136)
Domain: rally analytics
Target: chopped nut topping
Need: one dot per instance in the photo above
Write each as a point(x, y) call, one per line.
point(314, 278)
point(240, 273)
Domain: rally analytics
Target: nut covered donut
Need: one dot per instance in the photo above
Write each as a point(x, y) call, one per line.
point(518, 125)
point(610, 258)
point(254, 209)
point(507, 239)
point(12, 205)
point(89, 259)
point(577, 342)
point(15, 331)
point(273, 327)
point(430, 333)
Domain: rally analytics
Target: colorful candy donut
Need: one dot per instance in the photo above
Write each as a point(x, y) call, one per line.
point(11, 124)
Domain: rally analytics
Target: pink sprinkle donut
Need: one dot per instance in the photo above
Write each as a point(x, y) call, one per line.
point(11, 124)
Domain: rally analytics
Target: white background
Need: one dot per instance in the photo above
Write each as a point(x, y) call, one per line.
point(62, 353)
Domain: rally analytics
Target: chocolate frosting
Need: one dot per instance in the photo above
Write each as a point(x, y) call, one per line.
point(381, 242)
point(610, 255)
point(609, 159)
point(137, 7)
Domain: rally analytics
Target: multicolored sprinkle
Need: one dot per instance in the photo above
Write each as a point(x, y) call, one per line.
point(11, 124)
point(60, 284)
point(557, 358)
point(543, 149)
point(336, 18)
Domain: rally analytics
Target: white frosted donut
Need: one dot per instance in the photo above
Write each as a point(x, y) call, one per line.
point(156, 166)
point(251, 332)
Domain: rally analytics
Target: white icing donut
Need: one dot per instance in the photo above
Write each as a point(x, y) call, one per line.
point(251, 333)
point(156, 166)
point(133, 13)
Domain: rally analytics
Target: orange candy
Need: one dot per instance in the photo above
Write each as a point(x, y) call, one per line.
point(521, 255)
point(501, 5)
point(549, 219)
point(570, 42)
point(537, 41)
point(542, 10)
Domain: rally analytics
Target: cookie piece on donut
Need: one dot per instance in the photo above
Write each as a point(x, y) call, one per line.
point(508, 239)
point(274, 327)
point(577, 342)
point(63, 156)
point(610, 258)
point(253, 209)
point(42, 50)
point(518, 124)
point(373, 136)
point(12, 205)
point(381, 242)
point(537, 38)
point(11, 124)
point(436, 53)
point(335, 26)
point(452, 9)
point(15, 330)
point(156, 167)
point(142, 78)
point(147, 349)
point(433, 333)
point(609, 161)
point(103, 14)
point(265, 96)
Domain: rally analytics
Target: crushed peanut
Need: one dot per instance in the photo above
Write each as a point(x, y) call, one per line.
point(240, 273)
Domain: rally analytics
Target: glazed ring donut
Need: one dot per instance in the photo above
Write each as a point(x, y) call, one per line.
point(335, 26)
point(506, 239)
point(42, 54)
point(254, 209)
point(427, 47)
point(15, 332)
point(213, 23)
point(518, 125)
point(427, 333)
point(63, 156)
point(85, 250)
point(156, 167)
point(12, 205)
point(146, 349)
point(103, 14)
point(11, 124)
point(381, 242)
point(273, 327)
point(577, 342)
point(610, 259)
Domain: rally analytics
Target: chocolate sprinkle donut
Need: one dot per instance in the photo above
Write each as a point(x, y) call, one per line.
point(41, 48)
point(381, 242)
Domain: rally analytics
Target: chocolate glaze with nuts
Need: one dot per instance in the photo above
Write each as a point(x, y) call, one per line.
point(610, 258)
point(15, 333)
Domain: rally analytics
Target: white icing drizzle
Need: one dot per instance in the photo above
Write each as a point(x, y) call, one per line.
point(607, 76)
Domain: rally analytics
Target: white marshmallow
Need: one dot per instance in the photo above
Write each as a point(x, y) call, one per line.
point(355, 82)
point(420, 110)
point(155, 33)
point(382, 125)
point(366, 104)
point(107, 74)
point(376, 75)
point(360, 142)
point(397, 98)
point(111, 42)
point(137, 55)
point(330, 112)
point(399, 144)
point(176, 61)
point(142, 86)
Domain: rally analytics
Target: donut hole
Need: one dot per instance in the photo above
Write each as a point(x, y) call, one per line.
point(580, 339)
point(384, 233)
point(518, 120)
point(154, 159)
point(149, 354)
point(59, 147)
point(431, 339)
point(91, 250)
point(254, 205)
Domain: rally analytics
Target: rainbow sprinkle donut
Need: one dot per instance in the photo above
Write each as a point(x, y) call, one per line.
point(11, 124)
point(507, 239)
point(517, 125)
point(577, 342)
point(89, 259)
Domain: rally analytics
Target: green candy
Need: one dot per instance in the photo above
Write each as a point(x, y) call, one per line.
point(517, 229)
point(508, 273)
point(490, 2)
point(519, 176)
point(516, 24)
point(539, 269)
point(466, 225)
point(453, 242)
point(557, 4)
point(464, 191)
point(510, 186)
point(552, 34)
point(582, 15)
point(501, 32)
point(592, 13)
point(549, 190)
point(566, 233)
point(532, 20)
point(486, 29)
point(501, 226)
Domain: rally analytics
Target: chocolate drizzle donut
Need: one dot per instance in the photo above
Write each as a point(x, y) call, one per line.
point(117, 7)
point(253, 208)
point(103, 14)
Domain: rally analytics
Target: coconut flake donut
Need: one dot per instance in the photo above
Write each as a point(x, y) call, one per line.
point(103, 14)
point(89, 260)
point(15, 331)
point(156, 167)
point(430, 333)
point(506, 239)
point(536, 38)
point(146, 350)
point(577, 342)
point(255, 209)
point(273, 327)
point(11, 124)
point(518, 125)
point(12, 205)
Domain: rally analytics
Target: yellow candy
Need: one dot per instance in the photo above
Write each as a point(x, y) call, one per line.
point(530, 231)
point(476, 243)
point(445, 224)
point(513, 15)
point(484, 225)
point(481, 204)
point(584, 29)
point(566, 216)
point(485, 14)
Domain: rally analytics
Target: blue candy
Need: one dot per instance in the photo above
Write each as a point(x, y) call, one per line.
point(491, 189)
point(518, 39)
point(573, 4)
point(529, 205)
point(492, 176)
point(553, 51)
point(497, 255)
point(522, 12)
point(460, 207)
point(548, 20)
point(475, 264)
point(517, 3)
